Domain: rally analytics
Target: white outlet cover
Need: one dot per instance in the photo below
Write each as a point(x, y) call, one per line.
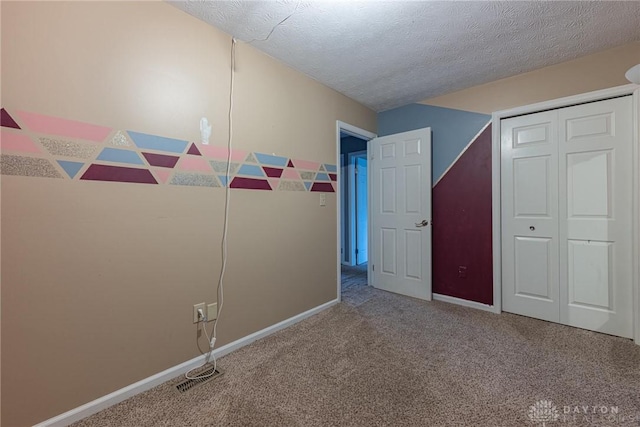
point(212, 311)
point(323, 199)
point(195, 311)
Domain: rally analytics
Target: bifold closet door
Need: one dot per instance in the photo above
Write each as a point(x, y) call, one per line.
point(595, 152)
point(567, 216)
point(530, 216)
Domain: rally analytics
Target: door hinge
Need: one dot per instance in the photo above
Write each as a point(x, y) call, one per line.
point(356, 252)
point(373, 267)
point(356, 170)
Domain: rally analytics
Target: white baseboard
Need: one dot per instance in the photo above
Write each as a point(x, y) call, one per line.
point(463, 302)
point(118, 396)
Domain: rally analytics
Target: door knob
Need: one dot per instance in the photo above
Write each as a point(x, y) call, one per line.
point(424, 223)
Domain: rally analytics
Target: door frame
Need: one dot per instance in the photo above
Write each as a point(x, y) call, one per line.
point(343, 220)
point(351, 183)
point(367, 136)
point(496, 117)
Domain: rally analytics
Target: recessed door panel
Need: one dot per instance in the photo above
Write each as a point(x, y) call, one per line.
point(389, 251)
point(412, 147)
point(537, 133)
point(387, 151)
point(589, 184)
point(533, 267)
point(598, 125)
point(590, 279)
point(531, 186)
point(413, 242)
point(413, 189)
point(388, 190)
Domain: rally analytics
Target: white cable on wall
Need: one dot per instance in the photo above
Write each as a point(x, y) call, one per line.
point(227, 193)
point(220, 289)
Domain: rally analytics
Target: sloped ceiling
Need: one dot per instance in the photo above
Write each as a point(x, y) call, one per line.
point(385, 54)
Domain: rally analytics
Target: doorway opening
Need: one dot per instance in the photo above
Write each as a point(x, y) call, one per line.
point(353, 210)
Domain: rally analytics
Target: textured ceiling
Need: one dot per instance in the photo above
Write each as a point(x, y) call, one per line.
point(385, 54)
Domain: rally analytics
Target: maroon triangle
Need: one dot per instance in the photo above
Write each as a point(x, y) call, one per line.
point(7, 121)
point(465, 188)
point(194, 150)
point(290, 164)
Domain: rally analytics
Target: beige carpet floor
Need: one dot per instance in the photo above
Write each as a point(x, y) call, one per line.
point(380, 359)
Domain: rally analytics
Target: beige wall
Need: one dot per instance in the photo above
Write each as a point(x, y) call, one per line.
point(98, 278)
point(593, 72)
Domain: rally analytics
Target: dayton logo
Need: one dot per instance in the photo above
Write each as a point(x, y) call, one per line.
point(543, 412)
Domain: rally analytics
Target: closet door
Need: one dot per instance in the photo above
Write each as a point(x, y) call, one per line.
point(595, 184)
point(530, 215)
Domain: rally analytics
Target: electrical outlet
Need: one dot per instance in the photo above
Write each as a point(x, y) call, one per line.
point(212, 311)
point(197, 307)
point(462, 271)
point(323, 199)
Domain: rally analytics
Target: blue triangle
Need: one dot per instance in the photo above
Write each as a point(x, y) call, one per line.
point(71, 168)
point(223, 180)
point(308, 185)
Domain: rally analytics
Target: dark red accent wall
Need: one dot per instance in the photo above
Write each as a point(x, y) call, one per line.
point(461, 204)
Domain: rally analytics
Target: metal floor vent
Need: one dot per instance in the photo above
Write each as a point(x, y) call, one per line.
point(187, 385)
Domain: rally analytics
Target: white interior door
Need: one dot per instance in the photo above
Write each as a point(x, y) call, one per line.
point(400, 170)
point(595, 143)
point(530, 216)
point(567, 216)
point(362, 226)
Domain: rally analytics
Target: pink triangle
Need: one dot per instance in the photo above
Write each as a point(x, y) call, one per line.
point(162, 174)
point(194, 150)
point(274, 183)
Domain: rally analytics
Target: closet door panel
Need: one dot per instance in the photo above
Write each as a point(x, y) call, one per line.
point(530, 216)
point(595, 173)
